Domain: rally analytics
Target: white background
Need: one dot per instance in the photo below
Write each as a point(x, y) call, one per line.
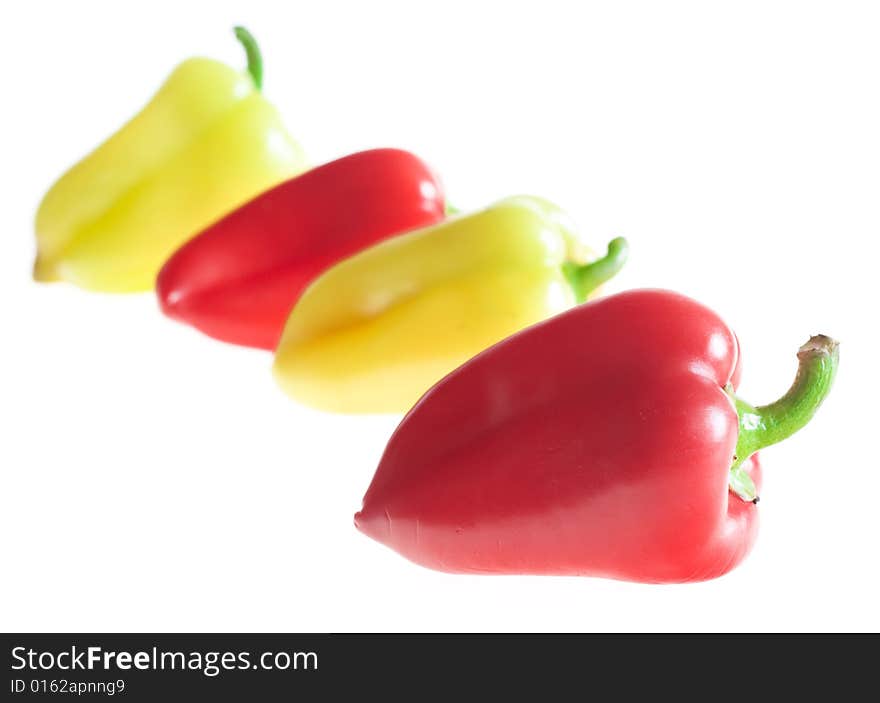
point(153, 479)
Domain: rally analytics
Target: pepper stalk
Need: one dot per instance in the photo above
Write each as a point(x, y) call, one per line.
point(585, 278)
point(764, 425)
point(254, 57)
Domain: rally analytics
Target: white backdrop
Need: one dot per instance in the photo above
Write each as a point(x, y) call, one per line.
point(154, 479)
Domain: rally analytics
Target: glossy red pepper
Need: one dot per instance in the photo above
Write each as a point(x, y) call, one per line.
point(605, 441)
point(238, 279)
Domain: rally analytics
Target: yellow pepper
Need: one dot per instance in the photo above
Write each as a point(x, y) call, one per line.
point(374, 332)
point(207, 142)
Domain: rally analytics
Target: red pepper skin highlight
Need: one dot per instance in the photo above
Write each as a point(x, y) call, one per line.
point(238, 280)
point(596, 443)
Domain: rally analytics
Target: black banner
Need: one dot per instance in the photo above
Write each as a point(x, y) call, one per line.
point(163, 667)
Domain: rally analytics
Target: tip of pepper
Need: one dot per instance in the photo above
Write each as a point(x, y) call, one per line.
point(169, 294)
point(373, 523)
point(44, 272)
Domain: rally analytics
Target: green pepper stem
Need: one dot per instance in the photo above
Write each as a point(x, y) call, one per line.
point(254, 57)
point(765, 425)
point(585, 278)
point(451, 210)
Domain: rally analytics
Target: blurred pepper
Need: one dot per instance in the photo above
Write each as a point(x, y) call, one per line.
point(207, 142)
point(238, 280)
point(376, 331)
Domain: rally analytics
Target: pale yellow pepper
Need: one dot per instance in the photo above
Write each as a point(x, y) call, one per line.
point(375, 331)
point(207, 142)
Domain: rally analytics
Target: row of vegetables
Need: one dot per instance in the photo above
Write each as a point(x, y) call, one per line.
point(544, 435)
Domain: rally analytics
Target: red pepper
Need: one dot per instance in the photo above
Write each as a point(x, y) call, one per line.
point(601, 442)
point(238, 280)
